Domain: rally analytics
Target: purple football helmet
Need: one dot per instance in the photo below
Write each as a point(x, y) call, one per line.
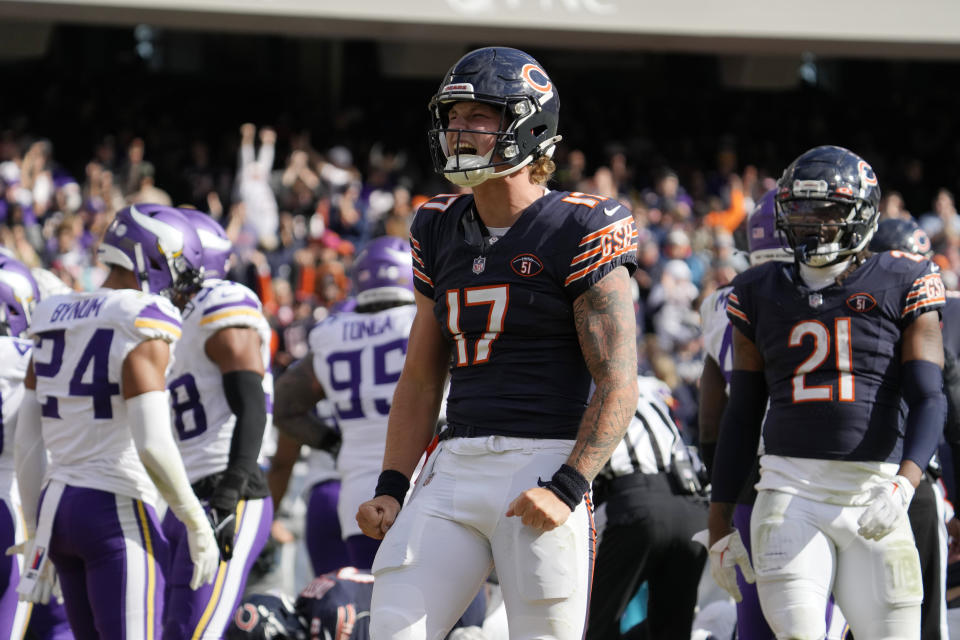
point(383, 272)
point(216, 245)
point(766, 242)
point(19, 294)
point(159, 245)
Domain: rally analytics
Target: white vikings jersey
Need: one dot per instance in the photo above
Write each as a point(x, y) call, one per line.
point(202, 419)
point(717, 331)
point(80, 343)
point(357, 358)
point(14, 358)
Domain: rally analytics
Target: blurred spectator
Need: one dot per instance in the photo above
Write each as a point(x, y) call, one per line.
point(892, 206)
point(299, 184)
point(677, 246)
point(147, 191)
point(731, 217)
point(131, 172)
point(942, 222)
point(670, 307)
point(253, 179)
point(667, 195)
point(199, 176)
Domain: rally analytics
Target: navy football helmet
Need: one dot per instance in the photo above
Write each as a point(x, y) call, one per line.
point(19, 295)
point(516, 84)
point(263, 616)
point(827, 205)
point(894, 234)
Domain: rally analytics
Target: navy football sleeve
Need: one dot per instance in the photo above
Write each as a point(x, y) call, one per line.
point(608, 239)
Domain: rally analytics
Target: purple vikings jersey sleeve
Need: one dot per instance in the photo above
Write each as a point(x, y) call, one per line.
point(158, 320)
point(832, 357)
point(506, 306)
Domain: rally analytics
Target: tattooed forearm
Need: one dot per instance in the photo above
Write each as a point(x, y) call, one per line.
point(607, 330)
point(296, 393)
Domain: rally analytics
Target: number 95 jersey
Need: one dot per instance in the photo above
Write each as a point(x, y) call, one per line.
point(357, 358)
point(202, 419)
point(506, 305)
point(832, 357)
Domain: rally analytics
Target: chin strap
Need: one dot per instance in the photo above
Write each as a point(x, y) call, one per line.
point(462, 175)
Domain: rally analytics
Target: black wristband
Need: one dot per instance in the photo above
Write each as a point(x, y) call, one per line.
point(569, 485)
point(394, 484)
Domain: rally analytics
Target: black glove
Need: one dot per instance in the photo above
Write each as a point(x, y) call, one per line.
point(330, 441)
point(223, 509)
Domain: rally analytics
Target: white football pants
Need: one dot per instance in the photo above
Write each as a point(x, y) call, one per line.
point(453, 529)
point(804, 549)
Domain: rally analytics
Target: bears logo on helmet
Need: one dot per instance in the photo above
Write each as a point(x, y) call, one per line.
point(515, 83)
point(266, 617)
point(894, 234)
point(827, 205)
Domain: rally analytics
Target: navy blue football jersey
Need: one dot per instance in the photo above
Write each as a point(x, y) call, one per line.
point(506, 305)
point(832, 357)
point(338, 604)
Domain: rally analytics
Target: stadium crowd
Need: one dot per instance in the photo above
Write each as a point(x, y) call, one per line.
point(298, 216)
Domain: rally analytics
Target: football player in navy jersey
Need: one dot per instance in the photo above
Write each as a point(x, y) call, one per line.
point(334, 605)
point(521, 298)
point(839, 342)
point(765, 243)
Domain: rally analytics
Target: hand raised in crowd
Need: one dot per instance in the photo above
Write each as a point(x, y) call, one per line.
point(248, 132)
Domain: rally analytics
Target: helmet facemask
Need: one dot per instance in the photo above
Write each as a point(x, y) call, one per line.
point(824, 232)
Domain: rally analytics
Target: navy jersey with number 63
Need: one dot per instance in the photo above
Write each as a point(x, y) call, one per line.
point(832, 357)
point(507, 306)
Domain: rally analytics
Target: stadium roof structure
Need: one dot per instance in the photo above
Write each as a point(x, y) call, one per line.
point(849, 28)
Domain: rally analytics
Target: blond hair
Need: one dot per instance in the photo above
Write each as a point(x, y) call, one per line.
point(541, 170)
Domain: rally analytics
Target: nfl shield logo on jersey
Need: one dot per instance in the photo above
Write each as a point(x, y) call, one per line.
point(479, 264)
